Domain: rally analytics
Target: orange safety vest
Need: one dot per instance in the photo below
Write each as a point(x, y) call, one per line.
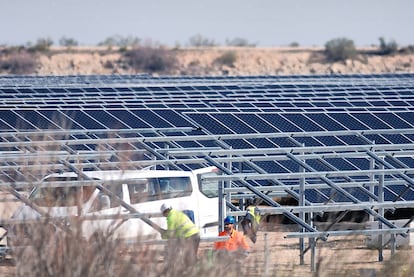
point(235, 242)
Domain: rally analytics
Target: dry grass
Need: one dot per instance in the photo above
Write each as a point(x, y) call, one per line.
point(62, 254)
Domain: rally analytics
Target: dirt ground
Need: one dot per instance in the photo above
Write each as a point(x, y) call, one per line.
point(340, 256)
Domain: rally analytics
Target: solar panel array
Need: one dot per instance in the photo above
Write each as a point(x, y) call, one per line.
point(342, 135)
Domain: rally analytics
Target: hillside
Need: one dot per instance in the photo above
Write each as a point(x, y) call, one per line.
point(202, 61)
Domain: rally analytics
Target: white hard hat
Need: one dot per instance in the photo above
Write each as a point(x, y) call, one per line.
point(165, 207)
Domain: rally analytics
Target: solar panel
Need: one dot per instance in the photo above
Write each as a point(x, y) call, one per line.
point(338, 134)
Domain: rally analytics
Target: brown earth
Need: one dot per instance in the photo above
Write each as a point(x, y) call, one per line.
point(249, 61)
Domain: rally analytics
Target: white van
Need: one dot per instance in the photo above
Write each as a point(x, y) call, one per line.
point(144, 190)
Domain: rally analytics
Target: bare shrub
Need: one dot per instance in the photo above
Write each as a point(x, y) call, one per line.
point(109, 65)
point(50, 249)
point(200, 41)
point(227, 58)
point(149, 59)
point(58, 248)
point(239, 42)
point(120, 41)
point(18, 62)
point(408, 49)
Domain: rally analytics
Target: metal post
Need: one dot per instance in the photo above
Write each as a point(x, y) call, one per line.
point(221, 205)
point(393, 244)
point(241, 207)
point(381, 212)
point(312, 242)
point(372, 185)
point(302, 216)
point(266, 256)
point(228, 184)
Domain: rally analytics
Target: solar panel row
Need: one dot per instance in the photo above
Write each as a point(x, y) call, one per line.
point(335, 112)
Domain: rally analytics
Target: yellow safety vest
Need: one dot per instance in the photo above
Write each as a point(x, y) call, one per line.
point(254, 211)
point(179, 225)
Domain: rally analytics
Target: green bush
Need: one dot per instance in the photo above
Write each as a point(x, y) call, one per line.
point(42, 45)
point(388, 48)
point(68, 42)
point(150, 59)
point(340, 49)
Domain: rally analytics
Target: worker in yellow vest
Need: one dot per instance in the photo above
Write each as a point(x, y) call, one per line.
point(183, 235)
point(250, 222)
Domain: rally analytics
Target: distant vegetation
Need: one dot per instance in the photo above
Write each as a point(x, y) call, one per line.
point(200, 41)
point(239, 42)
point(387, 48)
point(120, 41)
point(150, 59)
point(146, 56)
point(17, 61)
point(227, 58)
point(68, 42)
point(41, 45)
point(340, 49)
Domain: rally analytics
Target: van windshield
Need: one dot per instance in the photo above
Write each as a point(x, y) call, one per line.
point(208, 187)
point(61, 196)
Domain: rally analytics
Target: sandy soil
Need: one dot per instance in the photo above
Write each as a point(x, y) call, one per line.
point(249, 61)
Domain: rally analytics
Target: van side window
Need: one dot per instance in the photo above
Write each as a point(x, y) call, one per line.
point(173, 187)
point(140, 190)
point(153, 189)
point(63, 196)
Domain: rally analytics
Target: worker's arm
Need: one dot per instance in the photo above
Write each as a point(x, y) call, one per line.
point(171, 228)
point(243, 242)
point(166, 234)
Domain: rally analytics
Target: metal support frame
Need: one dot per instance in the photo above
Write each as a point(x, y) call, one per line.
point(172, 156)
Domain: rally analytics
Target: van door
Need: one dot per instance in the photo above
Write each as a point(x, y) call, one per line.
point(106, 205)
point(207, 201)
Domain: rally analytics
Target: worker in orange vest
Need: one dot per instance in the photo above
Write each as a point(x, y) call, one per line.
point(236, 242)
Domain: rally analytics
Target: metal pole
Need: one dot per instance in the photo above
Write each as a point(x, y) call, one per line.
point(221, 205)
point(302, 216)
point(266, 256)
point(312, 242)
point(372, 185)
point(393, 244)
point(381, 212)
